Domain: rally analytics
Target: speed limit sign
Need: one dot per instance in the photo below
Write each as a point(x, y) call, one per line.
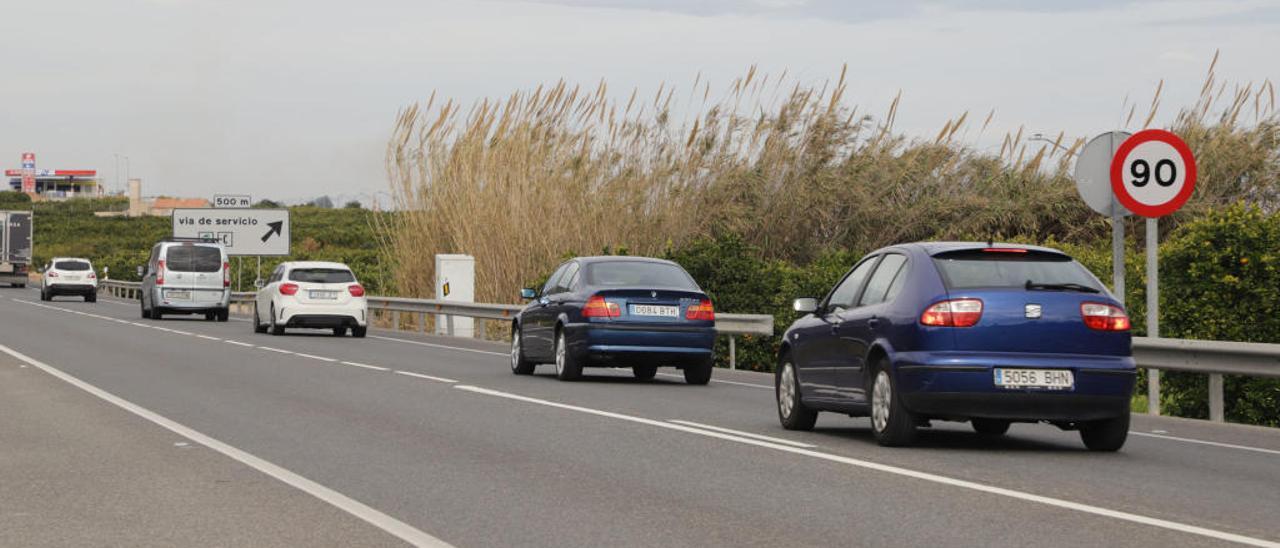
point(1153, 173)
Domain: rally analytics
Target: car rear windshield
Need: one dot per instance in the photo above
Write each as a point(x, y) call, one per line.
point(977, 268)
point(322, 275)
point(193, 258)
point(638, 274)
point(77, 266)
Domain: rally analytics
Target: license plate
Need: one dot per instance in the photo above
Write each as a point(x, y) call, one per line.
point(73, 278)
point(655, 310)
point(328, 295)
point(1045, 379)
point(177, 295)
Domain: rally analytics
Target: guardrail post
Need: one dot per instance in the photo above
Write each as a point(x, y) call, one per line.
point(395, 320)
point(479, 322)
point(1216, 411)
point(1153, 391)
point(733, 353)
point(449, 321)
point(422, 322)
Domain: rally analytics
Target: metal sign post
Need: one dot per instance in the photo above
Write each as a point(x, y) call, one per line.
point(1153, 310)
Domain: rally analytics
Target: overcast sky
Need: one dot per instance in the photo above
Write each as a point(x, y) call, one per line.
point(295, 99)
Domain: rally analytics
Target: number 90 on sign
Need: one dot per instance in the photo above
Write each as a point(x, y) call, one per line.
point(1153, 173)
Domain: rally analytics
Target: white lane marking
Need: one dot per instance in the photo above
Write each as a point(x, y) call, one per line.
point(181, 332)
point(735, 383)
point(126, 322)
point(238, 343)
point(391, 525)
point(744, 434)
point(934, 478)
point(208, 338)
point(1203, 442)
point(139, 324)
point(321, 358)
point(366, 366)
point(445, 346)
point(428, 377)
point(269, 349)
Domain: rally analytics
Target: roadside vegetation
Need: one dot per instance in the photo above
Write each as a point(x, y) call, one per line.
point(771, 189)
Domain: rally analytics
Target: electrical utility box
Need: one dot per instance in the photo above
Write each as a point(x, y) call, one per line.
point(456, 281)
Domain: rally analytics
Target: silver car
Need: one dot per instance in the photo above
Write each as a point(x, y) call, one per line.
point(187, 276)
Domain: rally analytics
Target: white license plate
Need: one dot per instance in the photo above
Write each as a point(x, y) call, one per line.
point(655, 310)
point(1046, 379)
point(73, 278)
point(325, 295)
point(177, 295)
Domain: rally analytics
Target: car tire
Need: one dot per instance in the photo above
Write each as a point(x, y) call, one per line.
point(519, 364)
point(1107, 434)
point(644, 372)
point(258, 326)
point(91, 298)
point(210, 316)
point(567, 368)
point(146, 314)
point(359, 331)
point(891, 423)
point(222, 315)
point(992, 428)
point(44, 295)
point(698, 374)
point(156, 314)
point(792, 412)
point(276, 330)
point(340, 331)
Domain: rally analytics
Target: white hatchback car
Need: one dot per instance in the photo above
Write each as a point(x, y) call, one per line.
point(311, 294)
point(69, 276)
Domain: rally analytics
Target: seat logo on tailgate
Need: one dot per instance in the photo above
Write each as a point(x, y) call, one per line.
point(1034, 311)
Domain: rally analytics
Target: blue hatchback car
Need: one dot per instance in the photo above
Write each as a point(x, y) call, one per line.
point(990, 334)
point(615, 311)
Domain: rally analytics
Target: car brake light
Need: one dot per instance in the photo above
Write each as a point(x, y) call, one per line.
point(597, 307)
point(53, 274)
point(356, 290)
point(953, 313)
point(1004, 250)
point(701, 311)
point(160, 272)
point(288, 289)
point(1104, 317)
point(93, 276)
point(226, 274)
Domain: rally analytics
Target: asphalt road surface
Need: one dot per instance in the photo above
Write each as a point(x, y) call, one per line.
point(123, 431)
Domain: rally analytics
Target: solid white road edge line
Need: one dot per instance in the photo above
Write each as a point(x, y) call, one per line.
point(1203, 442)
point(735, 383)
point(944, 480)
point(366, 366)
point(391, 525)
point(238, 343)
point(744, 434)
point(428, 377)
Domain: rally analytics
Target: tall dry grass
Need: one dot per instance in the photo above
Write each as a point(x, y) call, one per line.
point(521, 182)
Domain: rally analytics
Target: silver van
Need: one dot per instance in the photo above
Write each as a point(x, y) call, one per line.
point(187, 276)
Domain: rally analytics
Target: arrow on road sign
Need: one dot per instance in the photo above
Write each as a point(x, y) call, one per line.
point(275, 229)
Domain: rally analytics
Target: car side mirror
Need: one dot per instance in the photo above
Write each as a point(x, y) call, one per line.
point(142, 271)
point(805, 305)
point(259, 283)
point(528, 293)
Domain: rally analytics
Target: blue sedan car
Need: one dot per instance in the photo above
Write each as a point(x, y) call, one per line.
point(990, 334)
point(616, 312)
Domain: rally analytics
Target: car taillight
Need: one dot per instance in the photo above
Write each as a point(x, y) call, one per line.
point(93, 276)
point(53, 274)
point(953, 313)
point(1104, 317)
point(160, 272)
point(597, 307)
point(288, 289)
point(226, 274)
point(701, 311)
point(356, 290)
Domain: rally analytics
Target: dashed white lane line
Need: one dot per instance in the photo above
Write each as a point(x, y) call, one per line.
point(444, 346)
point(393, 526)
point(428, 377)
point(1203, 442)
point(314, 357)
point(744, 434)
point(366, 366)
point(270, 349)
point(187, 333)
point(899, 471)
point(238, 343)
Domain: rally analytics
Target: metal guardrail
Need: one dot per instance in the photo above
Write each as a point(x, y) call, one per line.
point(443, 312)
point(1214, 358)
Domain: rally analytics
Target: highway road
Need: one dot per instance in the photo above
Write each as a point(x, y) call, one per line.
point(315, 440)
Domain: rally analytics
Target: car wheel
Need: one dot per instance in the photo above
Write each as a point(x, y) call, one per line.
point(340, 331)
point(359, 331)
point(698, 374)
point(891, 423)
point(44, 295)
point(644, 372)
point(258, 326)
point(146, 314)
point(156, 314)
point(990, 427)
point(567, 368)
point(1106, 435)
point(520, 365)
point(792, 412)
point(223, 315)
point(210, 316)
point(91, 298)
point(275, 329)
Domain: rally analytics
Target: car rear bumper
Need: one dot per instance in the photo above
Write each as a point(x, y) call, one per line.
point(190, 306)
point(71, 289)
point(615, 345)
point(962, 385)
point(320, 316)
point(322, 321)
point(12, 278)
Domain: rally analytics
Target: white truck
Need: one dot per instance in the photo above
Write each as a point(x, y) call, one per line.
point(15, 247)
